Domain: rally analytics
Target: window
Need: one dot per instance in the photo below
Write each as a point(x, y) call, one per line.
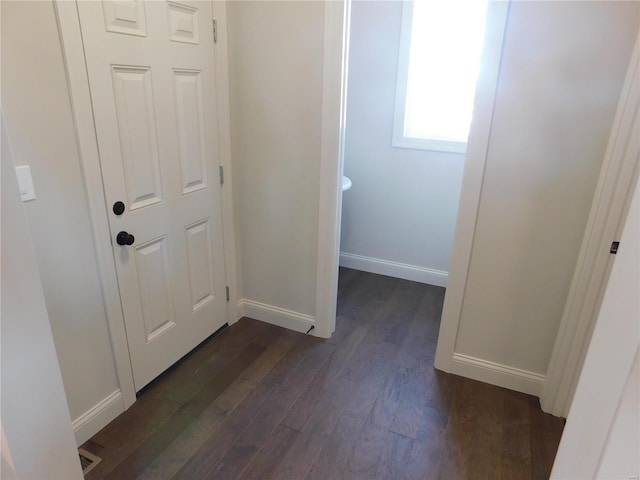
point(439, 59)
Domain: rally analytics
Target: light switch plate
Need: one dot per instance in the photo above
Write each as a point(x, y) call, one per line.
point(25, 183)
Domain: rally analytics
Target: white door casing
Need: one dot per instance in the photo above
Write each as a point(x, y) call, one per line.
point(152, 79)
point(614, 191)
point(477, 147)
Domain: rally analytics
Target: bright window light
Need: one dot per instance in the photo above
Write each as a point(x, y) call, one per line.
point(440, 54)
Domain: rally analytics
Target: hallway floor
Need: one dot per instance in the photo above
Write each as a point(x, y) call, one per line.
point(258, 401)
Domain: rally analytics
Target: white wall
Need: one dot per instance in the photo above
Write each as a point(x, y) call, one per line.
point(37, 110)
point(403, 204)
point(562, 70)
point(602, 436)
point(37, 441)
point(275, 63)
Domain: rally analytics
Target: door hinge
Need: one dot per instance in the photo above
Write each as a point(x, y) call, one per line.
point(215, 30)
point(228, 294)
point(221, 175)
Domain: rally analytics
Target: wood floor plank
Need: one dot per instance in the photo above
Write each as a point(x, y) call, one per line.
point(474, 432)
point(340, 443)
point(153, 445)
point(122, 436)
point(269, 457)
point(348, 280)
point(206, 458)
point(257, 402)
point(441, 390)
point(259, 369)
point(394, 456)
point(361, 305)
point(426, 387)
point(369, 355)
point(203, 460)
point(243, 393)
point(363, 462)
point(386, 405)
point(266, 420)
point(367, 295)
point(427, 448)
point(516, 448)
point(304, 451)
point(186, 379)
point(545, 431)
point(422, 336)
point(362, 302)
point(180, 450)
point(392, 320)
point(406, 421)
point(303, 409)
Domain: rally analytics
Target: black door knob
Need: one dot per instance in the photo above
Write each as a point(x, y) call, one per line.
point(124, 238)
point(118, 208)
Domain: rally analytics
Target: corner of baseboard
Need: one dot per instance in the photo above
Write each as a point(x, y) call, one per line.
point(281, 317)
point(415, 273)
point(97, 417)
point(497, 374)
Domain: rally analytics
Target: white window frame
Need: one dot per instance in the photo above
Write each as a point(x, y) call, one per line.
point(398, 138)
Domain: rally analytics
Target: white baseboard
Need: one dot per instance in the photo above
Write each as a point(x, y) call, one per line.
point(97, 417)
point(299, 322)
point(394, 269)
point(497, 374)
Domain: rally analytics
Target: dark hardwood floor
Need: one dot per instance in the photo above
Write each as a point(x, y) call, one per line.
point(259, 402)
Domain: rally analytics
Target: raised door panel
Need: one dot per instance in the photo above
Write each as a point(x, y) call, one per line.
point(152, 265)
point(190, 127)
point(200, 265)
point(135, 111)
point(183, 23)
point(122, 16)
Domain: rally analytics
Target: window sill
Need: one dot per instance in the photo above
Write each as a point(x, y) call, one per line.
point(432, 145)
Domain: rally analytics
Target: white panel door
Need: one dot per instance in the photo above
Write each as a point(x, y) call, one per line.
point(152, 79)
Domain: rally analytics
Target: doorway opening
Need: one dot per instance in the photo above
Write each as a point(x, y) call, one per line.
point(406, 170)
point(338, 20)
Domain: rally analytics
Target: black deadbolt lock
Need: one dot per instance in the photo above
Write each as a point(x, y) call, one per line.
point(124, 238)
point(118, 208)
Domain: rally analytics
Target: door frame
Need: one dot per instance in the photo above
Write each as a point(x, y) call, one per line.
point(471, 191)
point(332, 161)
point(611, 201)
point(86, 139)
point(613, 350)
point(337, 15)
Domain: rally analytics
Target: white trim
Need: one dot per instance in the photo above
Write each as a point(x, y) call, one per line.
point(97, 417)
point(81, 109)
point(497, 374)
point(394, 269)
point(608, 364)
point(608, 210)
point(400, 141)
point(224, 135)
point(402, 74)
point(398, 138)
point(334, 84)
point(478, 144)
point(281, 317)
